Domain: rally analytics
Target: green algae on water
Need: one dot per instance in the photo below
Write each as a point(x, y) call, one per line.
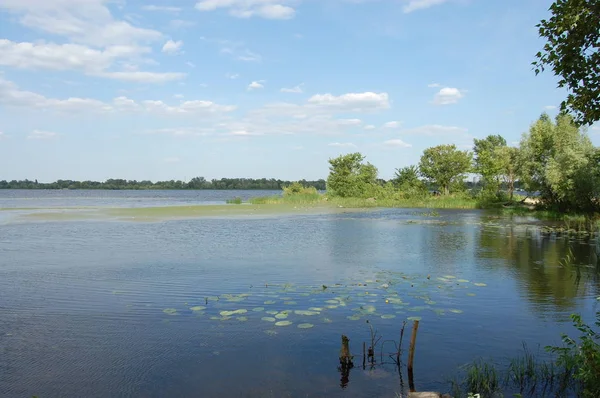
point(170, 311)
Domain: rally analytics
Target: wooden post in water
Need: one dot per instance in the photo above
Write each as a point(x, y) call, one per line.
point(364, 354)
point(411, 356)
point(345, 362)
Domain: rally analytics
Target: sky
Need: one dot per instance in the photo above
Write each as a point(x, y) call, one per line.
point(161, 90)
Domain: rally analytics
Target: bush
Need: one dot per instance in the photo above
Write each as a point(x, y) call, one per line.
point(297, 188)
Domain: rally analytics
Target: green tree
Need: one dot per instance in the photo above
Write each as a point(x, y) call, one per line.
point(445, 165)
point(350, 177)
point(571, 50)
point(408, 182)
point(489, 160)
point(559, 160)
point(510, 167)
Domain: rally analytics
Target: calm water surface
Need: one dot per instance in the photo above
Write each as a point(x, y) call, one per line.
point(103, 308)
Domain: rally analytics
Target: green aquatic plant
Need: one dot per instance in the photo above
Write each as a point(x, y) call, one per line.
point(170, 311)
point(283, 323)
point(235, 201)
point(305, 325)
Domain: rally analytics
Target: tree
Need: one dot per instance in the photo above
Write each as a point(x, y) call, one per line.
point(559, 161)
point(349, 177)
point(573, 34)
point(408, 182)
point(488, 160)
point(510, 167)
point(445, 165)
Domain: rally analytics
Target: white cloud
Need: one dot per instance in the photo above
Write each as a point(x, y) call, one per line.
point(256, 85)
point(342, 145)
point(296, 90)
point(369, 127)
point(172, 159)
point(414, 5)
point(89, 61)
point(2, 135)
point(396, 143)
point(352, 101)
point(447, 96)
point(172, 47)
point(42, 135)
point(11, 95)
point(391, 125)
point(178, 96)
point(190, 64)
point(268, 9)
point(183, 131)
point(550, 107)
point(232, 75)
point(143, 77)
point(161, 8)
point(87, 22)
point(434, 85)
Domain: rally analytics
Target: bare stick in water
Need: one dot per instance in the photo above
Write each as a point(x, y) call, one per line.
point(411, 356)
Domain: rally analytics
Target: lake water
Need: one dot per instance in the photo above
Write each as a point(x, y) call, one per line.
point(201, 307)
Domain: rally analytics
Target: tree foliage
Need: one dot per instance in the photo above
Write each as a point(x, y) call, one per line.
point(489, 160)
point(572, 36)
point(445, 165)
point(350, 177)
point(559, 161)
point(408, 182)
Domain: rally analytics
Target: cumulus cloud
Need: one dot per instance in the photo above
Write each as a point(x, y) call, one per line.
point(550, 107)
point(11, 95)
point(232, 76)
point(296, 90)
point(414, 5)
point(87, 22)
point(172, 47)
point(396, 143)
point(42, 135)
point(161, 8)
point(352, 101)
point(256, 85)
point(391, 125)
point(342, 145)
point(268, 9)
point(434, 85)
point(369, 127)
point(447, 96)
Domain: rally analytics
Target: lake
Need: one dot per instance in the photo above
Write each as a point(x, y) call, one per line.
point(255, 306)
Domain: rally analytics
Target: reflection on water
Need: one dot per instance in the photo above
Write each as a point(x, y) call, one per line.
point(82, 304)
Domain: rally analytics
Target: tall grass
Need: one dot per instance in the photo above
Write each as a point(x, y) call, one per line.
point(234, 201)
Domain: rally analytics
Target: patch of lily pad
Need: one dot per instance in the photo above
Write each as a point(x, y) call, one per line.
point(283, 323)
point(305, 325)
point(170, 311)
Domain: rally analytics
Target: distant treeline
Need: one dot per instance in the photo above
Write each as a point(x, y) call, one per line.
point(194, 183)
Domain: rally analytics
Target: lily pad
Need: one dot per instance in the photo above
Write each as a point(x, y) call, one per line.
point(303, 312)
point(230, 313)
point(480, 284)
point(290, 302)
point(271, 332)
point(242, 318)
point(430, 302)
point(327, 320)
point(393, 300)
point(197, 308)
point(332, 302)
point(281, 316)
point(269, 302)
point(331, 306)
point(414, 318)
point(258, 309)
point(272, 312)
point(354, 317)
point(305, 326)
point(449, 277)
point(283, 323)
point(388, 316)
point(268, 319)
point(463, 280)
point(456, 311)
point(318, 309)
point(170, 311)
point(368, 309)
point(470, 294)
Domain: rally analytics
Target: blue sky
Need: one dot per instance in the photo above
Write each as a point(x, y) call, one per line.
point(160, 90)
